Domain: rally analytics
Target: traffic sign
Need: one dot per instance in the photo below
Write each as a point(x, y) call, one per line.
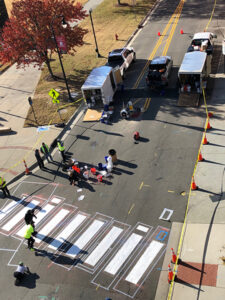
point(55, 100)
point(53, 94)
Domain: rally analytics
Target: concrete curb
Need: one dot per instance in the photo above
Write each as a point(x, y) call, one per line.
point(70, 122)
point(60, 136)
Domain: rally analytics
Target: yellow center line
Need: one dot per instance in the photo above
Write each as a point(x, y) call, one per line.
point(206, 28)
point(157, 45)
point(173, 29)
point(189, 194)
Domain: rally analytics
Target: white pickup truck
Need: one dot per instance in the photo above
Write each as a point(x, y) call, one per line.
point(202, 41)
point(121, 58)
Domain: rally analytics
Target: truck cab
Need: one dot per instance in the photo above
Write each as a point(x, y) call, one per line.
point(121, 58)
point(202, 41)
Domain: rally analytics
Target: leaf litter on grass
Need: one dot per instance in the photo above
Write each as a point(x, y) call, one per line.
point(109, 19)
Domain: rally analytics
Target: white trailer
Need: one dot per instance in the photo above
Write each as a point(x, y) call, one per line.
point(100, 87)
point(192, 76)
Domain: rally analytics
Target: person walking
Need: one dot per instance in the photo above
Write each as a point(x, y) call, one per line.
point(29, 238)
point(21, 272)
point(61, 149)
point(39, 159)
point(3, 187)
point(46, 152)
point(29, 217)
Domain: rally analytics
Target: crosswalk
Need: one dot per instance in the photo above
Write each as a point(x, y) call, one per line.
point(118, 255)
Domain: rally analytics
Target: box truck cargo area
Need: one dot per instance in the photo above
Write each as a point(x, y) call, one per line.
point(192, 77)
point(100, 87)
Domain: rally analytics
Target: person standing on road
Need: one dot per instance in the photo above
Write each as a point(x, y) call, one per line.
point(29, 217)
point(29, 238)
point(45, 151)
point(39, 159)
point(3, 187)
point(20, 272)
point(61, 149)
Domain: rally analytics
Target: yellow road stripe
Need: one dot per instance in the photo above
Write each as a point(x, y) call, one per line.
point(141, 185)
point(173, 29)
point(157, 45)
point(132, 206)
point(211, 16)
point(185, 216)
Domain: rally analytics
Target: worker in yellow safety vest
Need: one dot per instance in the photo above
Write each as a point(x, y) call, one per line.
point(46, 152)
point(4, 188)
point(28, 237)
point(61, 149)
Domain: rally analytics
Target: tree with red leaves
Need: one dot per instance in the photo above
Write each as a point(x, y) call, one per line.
point(27, 36)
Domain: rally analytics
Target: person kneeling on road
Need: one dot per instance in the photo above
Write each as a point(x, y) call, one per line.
point(21, 272)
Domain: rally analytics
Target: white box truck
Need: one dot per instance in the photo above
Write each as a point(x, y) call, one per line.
point(192, 77)
point(100, 87)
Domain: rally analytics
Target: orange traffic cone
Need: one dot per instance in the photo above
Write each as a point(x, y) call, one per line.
point(193, 184)
point(170, 274)
point(200, 158)
point(174, 257)
point(210, 114)
point(208, 125)
point(205, 141)
point(159, 33)
point(27, 171)
point(181, 31)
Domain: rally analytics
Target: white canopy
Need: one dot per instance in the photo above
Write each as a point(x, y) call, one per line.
point(193, 63)
point(96, 78)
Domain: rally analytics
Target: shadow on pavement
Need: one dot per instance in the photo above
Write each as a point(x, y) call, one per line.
point(178, 280)
point(127, 164)
point(29, 281)
point(183, 263)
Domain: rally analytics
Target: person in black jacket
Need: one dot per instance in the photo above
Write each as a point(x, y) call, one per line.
point(29, 217)
point(39, 159)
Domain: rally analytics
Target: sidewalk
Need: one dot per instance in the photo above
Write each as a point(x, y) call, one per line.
point(16, 85)
point(204, 245)
point(201, 272)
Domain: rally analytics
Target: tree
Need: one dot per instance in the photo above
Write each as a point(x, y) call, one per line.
point(27, 36)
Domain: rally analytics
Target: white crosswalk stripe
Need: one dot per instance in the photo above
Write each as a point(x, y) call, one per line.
point(82, 241)
point(123, 254)
point(114, 250)
point(103, 246)
point(18, 217)
point(40, 216)
point(143, 263)
point(10, 207)
point(70, 228)
point(43, 233)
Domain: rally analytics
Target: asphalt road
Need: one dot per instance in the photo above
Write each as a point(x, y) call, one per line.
point(151, 175)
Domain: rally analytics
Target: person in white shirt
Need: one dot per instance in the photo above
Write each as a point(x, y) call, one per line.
point(21, 272)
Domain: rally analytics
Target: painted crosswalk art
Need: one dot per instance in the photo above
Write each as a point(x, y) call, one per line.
point(117, 255)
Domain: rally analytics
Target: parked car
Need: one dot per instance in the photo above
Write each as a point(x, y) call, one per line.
point(202, 41)
point(121, 58)
point(159, 70)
